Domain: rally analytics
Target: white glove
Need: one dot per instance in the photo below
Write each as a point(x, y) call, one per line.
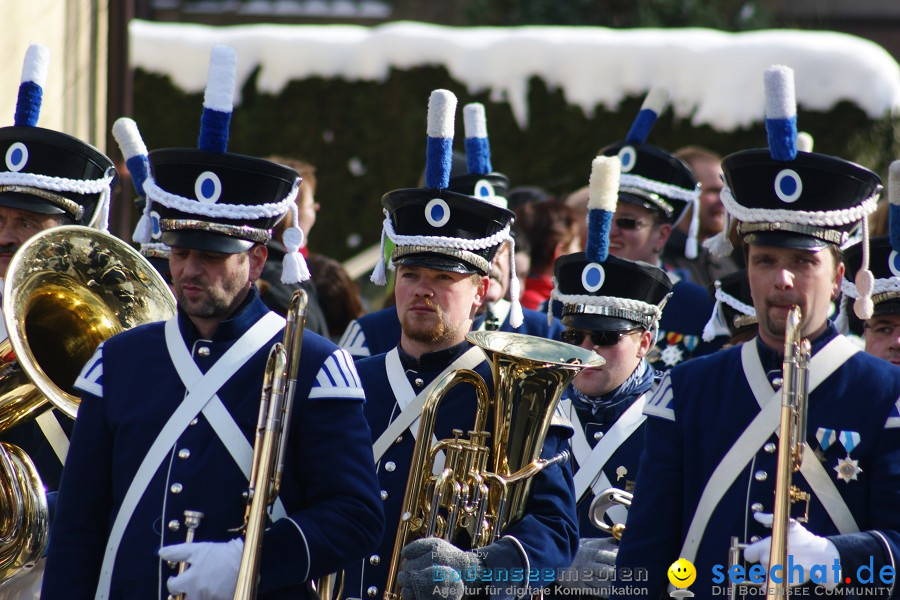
point(213, 570)
point(806, 548)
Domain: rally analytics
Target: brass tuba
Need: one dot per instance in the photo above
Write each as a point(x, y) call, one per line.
point(67, 289)
point(791, 438)
point(485, 481)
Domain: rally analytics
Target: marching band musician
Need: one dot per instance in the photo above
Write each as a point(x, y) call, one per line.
point(611, 306)
point(656, 191)
point(378, 332)
point(169, 410)
point(444, 245)
point(47, 179)
point(709, 466)
point(880, 333)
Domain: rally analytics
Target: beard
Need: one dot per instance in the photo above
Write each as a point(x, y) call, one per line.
point(427, 328)
point(212, 303)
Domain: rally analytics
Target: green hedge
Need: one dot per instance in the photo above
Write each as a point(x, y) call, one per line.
point(331, 122)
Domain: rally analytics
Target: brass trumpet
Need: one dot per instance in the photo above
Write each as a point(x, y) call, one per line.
point(486, 478)
point(791, 438)
point(270, 444)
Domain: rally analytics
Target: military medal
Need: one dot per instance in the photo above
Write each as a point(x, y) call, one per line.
point(847, 469)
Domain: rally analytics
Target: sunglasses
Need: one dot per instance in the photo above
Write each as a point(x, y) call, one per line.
point(629, 223)
point(598, 338)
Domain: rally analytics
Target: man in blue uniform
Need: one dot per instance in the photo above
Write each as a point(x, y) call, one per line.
point(709, 466)
point(169, 411)
point(881, 332)
point(378, 332)
point(613, 306)
point(47, 179)
point(444, 245)
point(656, 191)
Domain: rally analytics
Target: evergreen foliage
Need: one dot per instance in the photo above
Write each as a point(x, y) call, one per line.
point(366, 138)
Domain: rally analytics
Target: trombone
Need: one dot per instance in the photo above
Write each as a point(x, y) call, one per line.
point(791, 438)
point(269, 448)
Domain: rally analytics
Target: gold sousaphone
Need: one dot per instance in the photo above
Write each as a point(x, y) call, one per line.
point(67, 289)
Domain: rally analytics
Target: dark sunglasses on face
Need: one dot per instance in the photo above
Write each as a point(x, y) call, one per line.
point(629, 223)
point(598, 338)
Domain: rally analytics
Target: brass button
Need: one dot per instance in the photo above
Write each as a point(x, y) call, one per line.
point(194, 421)
point(384, 495)
point(598, 435)
point(389, 466)
point(372, 591)
point(755, 539)
point(374, 560)
point(777, 382)
point(184, 453)
point(174, 525)
point(756, 507)
point(176, 488)
point(399, 439)
point(419, 382)
point(760, 476)
point(770, 448)
point(203, 351)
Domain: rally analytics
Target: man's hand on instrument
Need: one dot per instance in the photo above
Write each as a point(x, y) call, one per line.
point(806, 548)
point(594, 565)
point(213, 570)
point(434, 568)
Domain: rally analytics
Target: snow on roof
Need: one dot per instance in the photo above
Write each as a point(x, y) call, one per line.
point(713, 77)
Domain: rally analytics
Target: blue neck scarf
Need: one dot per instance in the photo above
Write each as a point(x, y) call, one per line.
point(611, 405)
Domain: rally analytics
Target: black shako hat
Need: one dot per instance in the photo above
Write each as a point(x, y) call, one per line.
point(615, 295)
point(207, 198)
point(782, 196)
point(807, 203)
point(444, 230)
point(884, 262)
point(49, 172)
point(227, 201)
point(654, 179)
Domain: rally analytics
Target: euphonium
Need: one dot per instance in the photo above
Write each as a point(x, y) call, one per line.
point(486, 478)
point(67, 289)
point(791, 437)
point(270, 445)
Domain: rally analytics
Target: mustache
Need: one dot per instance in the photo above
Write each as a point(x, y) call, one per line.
point(8, 248)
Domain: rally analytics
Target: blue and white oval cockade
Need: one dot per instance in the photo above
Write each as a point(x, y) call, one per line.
point(208, 187)
point(592, 277)
point(628, 157)
point(894, 263)
point(788, 185)
point(437, 213)
point(155, 229)
point(16, 157)
point(484, 190)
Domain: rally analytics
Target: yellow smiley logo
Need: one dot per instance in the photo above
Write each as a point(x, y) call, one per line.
point(682, 573)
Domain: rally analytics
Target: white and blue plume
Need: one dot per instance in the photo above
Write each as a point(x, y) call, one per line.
point(31, 89)
point(654, 104)
point(439, 146)
point(603, 193)
point(478, 147)
point(134, 150)
point(218, 100)
point(781, 112)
